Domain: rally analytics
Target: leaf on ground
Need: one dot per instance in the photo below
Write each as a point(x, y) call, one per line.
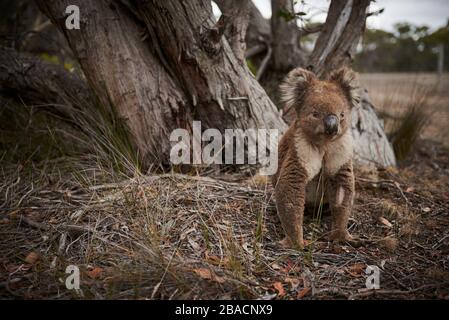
point(208, 274)
point(268, 296)
point(216, 260)
point(203, 273)
point(95, 272)
point(337, 249)
point(32, 257)
point(291, 267)
point(279, 288)
point(389, 242)
point(302, 293)
point(219, 279)
point(385, 222)
point(356, 269)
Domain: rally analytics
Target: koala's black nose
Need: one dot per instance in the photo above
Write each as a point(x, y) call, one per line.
point(331, 124)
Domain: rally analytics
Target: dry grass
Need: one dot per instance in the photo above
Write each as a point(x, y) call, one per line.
point(409, 127)
point(395, 94)
point(172, 236)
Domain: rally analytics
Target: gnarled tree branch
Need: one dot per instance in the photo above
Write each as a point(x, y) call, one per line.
point(235, 28)
point(336, 43)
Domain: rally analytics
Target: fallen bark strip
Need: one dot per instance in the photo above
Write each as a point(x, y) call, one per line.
point(61, 227)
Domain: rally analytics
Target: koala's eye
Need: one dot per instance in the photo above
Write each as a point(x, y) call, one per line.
point(342, 115)
point(315, 114)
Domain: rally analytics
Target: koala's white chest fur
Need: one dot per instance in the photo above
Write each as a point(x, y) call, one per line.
point(329, 158)
point(310, 157)
point(337, 154)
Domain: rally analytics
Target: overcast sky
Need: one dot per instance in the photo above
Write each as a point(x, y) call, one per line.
point(433, 13)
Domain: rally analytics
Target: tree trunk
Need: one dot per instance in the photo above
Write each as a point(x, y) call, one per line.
point(336, 44)
point(285, 31)
point(124, 73)
point(258, 31)
point(236, 21)
point(258, 34)
point(222, 90)
point(191, 71)
point(371, 145)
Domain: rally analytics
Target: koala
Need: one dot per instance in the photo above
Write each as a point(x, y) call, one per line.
point(317, 144)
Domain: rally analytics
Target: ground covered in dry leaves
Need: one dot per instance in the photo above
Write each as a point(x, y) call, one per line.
point(177, 236)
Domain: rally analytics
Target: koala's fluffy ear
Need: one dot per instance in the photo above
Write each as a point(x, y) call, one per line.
point(346, 79)
point(294, 87)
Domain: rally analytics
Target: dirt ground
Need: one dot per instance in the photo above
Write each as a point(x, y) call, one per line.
point(178, 236)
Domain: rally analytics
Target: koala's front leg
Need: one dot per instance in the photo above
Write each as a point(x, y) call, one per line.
point(290, 190)
point(340, 192)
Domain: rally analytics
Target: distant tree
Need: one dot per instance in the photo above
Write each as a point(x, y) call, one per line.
point(408, 48)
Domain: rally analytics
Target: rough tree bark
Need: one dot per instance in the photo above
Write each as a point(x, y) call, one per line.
point(222, 90)
point(237, 13)
point(258, 29)
point(371, 145)
point(336, 44)
point(124, 73)
point(258, 34)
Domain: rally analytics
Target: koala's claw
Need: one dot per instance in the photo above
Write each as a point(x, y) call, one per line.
point(346, 237)
point(286, 243)
point(355, 242)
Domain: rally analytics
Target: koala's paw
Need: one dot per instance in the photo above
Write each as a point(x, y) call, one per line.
point(345, 237)
point(286, 243)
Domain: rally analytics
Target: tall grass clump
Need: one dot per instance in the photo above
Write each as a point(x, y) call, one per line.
point(108, 139)
point(407, 128)
point(83, 134)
